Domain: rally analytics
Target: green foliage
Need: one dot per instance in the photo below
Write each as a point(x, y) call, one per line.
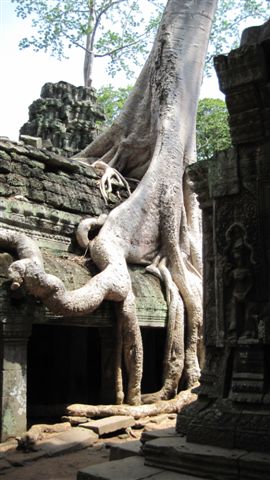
point(212, 128)
point(117, 29)
point(120, 29)
point(230, 19)
point(112, 100)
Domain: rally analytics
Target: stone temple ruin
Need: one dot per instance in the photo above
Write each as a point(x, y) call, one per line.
point(47, 362)
point(226, 432)
point(65, 118)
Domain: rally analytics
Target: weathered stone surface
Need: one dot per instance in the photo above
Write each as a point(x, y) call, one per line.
point(233, 410)
point(67, 442)
point(41, 176)
point(162, 433)
point(254, 466)
point(199, 460)
point(243, 77)
point(132, 468)
point(65, 117)
point(34, 141)
point(124, 450)
point(109, 424)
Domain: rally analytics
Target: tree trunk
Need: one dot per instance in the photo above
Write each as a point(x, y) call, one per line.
point(88, 61)
point(89, 47)
point(152, 140)
point(88, 68)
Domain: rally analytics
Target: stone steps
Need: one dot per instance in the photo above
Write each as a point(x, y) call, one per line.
point(206, 461)
point(131, 468)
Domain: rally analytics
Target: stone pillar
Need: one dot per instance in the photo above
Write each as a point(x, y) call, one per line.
point(15, 332)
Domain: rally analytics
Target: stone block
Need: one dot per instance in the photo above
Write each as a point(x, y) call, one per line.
point(33, 141)
point(253, 431)
point(21, 459)
point(164, 433)
point(242, 66)
point(109, 424)
point(124, 450)
point(75, 439)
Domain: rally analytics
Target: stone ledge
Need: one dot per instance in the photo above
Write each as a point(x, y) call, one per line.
point(193, 459)
point(131, 468)
point(124, 450)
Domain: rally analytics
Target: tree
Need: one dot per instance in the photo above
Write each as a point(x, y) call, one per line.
point(153, 139)
point(112, 100)
point(212, 128)
point(116, 29)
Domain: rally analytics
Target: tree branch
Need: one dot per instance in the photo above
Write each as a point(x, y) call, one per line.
point(122, 47)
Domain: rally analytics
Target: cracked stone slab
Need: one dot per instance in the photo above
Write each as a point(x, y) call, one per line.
point(75, 439)
point(109, 424)
point(131, 468)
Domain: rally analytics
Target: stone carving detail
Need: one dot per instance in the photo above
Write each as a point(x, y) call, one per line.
point(65, 117)
point(239, 281)
point(233, 410)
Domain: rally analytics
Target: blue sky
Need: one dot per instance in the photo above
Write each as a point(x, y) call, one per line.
point(24, 72)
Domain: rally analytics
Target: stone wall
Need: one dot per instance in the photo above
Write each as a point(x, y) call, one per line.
point(233, 190)
point(65, 117)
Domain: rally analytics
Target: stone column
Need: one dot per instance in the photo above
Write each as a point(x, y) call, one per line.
point(15, 331)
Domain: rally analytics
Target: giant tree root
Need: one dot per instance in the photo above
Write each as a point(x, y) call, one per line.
point(137, 411)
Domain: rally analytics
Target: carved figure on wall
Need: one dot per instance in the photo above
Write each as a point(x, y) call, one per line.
point(239, 280)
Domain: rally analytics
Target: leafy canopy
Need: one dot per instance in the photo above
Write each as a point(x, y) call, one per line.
point(117, 29)
point(122, 30)
point(230, 19)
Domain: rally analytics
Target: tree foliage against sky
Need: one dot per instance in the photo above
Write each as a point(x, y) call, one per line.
point(212, 128)
point(116, 29)
point(229, 22)
point(112, 100)
point(122, 30)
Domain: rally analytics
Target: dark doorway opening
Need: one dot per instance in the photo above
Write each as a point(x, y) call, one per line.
point(68, 364)
point(64, 366)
